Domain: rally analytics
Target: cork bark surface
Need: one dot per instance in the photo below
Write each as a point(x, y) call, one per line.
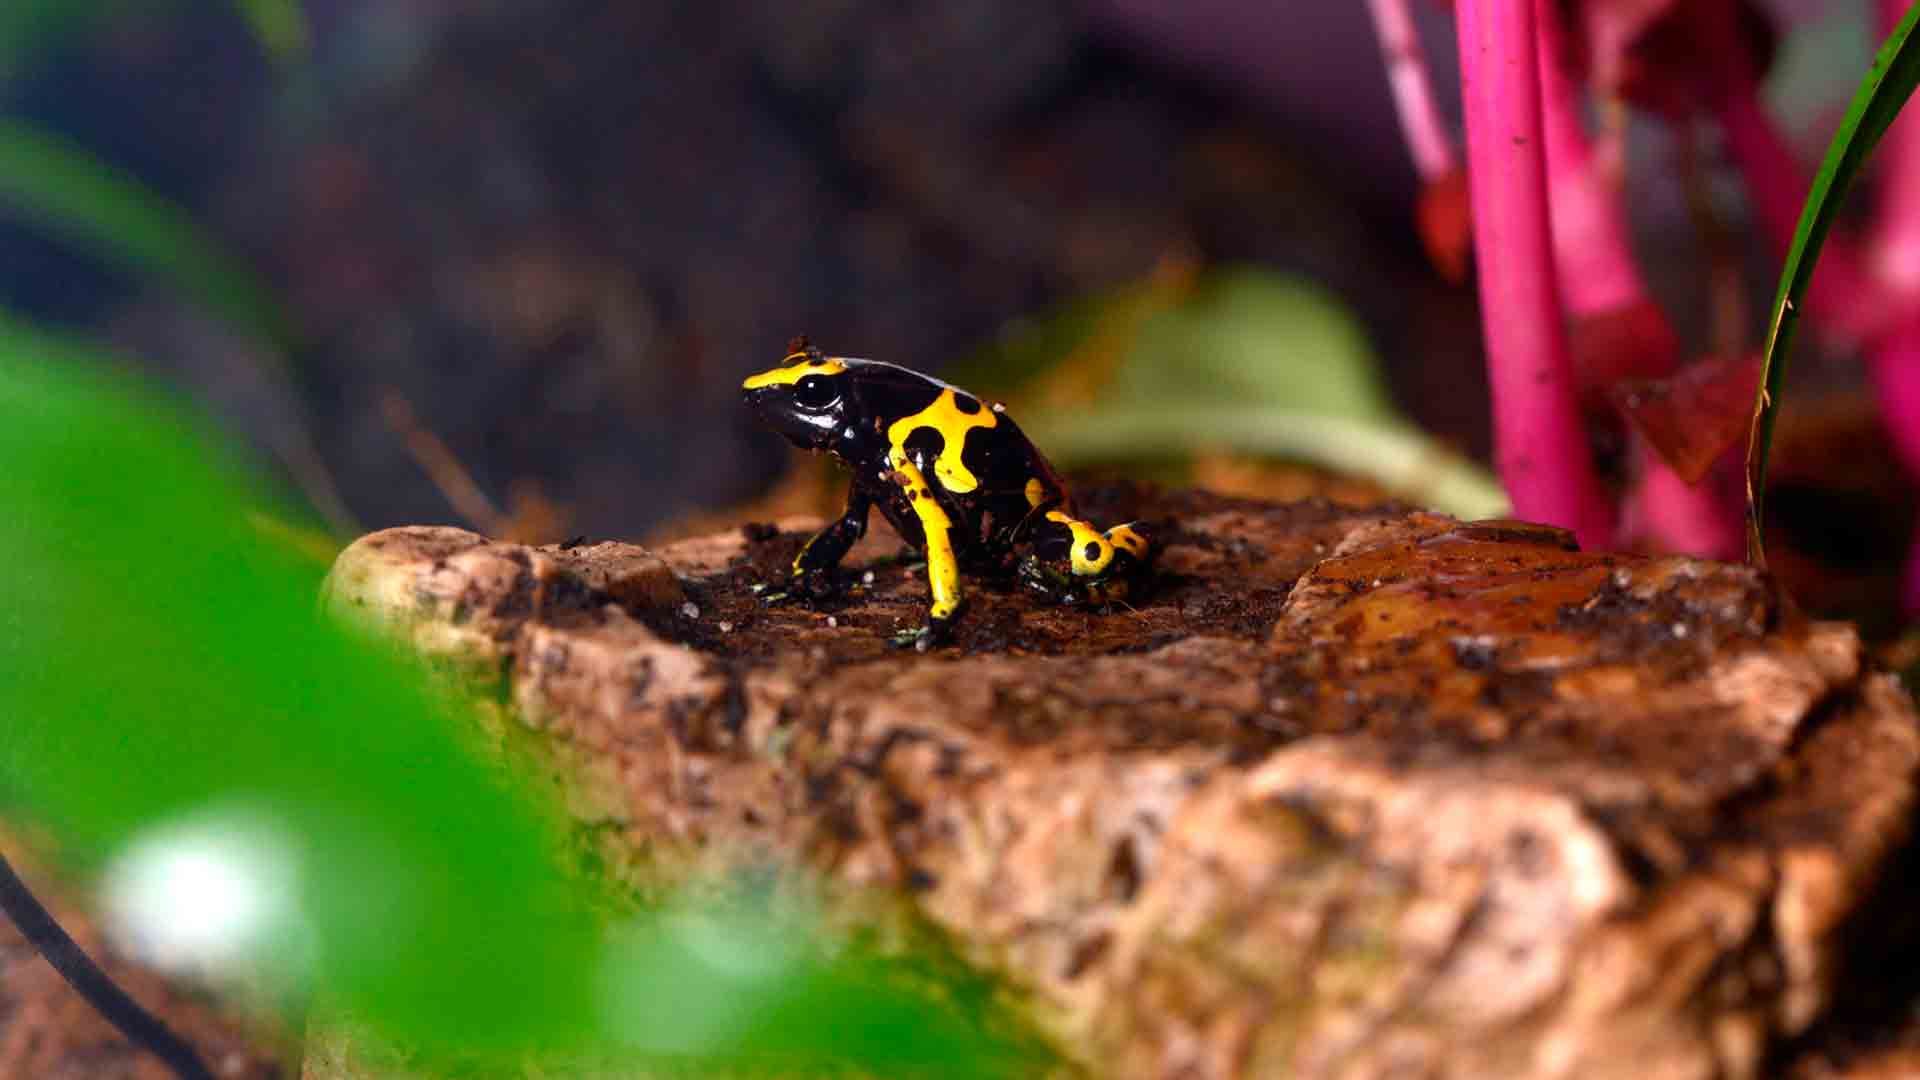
point(1349, 792)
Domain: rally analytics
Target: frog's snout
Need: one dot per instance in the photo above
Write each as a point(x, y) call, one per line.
point(774, 407)
point(766, 405)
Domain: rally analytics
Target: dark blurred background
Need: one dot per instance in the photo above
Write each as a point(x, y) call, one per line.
point(556, 235)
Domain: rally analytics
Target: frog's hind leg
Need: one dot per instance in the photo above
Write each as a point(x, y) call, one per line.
point(1073, 562)
point(1132, 539)
point(943, 564)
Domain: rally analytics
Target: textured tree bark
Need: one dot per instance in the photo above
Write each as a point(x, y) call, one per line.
point(1351, 792)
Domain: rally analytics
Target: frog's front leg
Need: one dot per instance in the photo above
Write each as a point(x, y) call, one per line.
point(943, 566)
point(813, 567)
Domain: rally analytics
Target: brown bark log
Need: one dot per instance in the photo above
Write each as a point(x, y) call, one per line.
point(1350, 792)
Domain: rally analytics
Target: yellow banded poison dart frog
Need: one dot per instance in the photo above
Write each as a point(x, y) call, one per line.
point(955, 476)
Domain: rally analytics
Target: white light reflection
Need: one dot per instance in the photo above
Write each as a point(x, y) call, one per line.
point(212, 894)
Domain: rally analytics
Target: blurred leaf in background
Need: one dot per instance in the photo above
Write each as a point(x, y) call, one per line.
point(1254, 337)
point(254, 784)
point(1246, 361)
point(31, 28)
point(279, 25)
point(112, 217)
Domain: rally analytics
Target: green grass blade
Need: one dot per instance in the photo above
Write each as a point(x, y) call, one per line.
point(1889, 82)
point(86, 202)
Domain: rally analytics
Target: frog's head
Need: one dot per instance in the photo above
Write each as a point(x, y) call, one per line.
point(806, 398)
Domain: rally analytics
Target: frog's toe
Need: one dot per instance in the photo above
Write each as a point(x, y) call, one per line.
point(1043, 578)
point(813, 584)
point(934, 634)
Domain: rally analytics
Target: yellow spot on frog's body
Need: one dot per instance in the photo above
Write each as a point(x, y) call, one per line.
point(1036, 492)
point(946, 417)
point(793, 373)
point(1126, 539)
point(1085, 539)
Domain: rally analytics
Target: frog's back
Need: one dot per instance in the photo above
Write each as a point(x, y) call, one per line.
point(997, 457)
point(889, 391)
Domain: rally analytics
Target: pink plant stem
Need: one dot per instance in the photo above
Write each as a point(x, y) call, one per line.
point(1895, 372)
point(1893, 359)
point(1841, 297)
point(1599, 277)
point(1894, 369)
point(1412, 83)
point(1896, 246)
point(1591, 252)
point(1700, 519)
point(1540, 443)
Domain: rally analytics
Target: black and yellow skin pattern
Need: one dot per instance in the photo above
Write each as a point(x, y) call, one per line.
point(954, 475)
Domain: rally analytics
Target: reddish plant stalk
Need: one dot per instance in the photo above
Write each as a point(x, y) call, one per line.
point(1895, 372)
point(1698, 519)
point(1893, 359)
point(1590, 247)
point(1411, 80)
point(1893, 366)
point(1540, 444)
point(1896, 240)
point(1842, 297)
point(1599, 279)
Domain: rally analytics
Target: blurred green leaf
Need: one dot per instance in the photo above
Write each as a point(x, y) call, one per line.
point(279, 25)
point(95, 208)
point(163, 668)
point(1245, 360)
point(1251, 338)
point(1889, 82)
point(184, 720)
point(1030, 347)
point(29, 29)
point(1399, 457)
point(33, 29)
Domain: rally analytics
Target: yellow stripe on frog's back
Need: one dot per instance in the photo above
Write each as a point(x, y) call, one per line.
point(793, 373)
point(945, 417)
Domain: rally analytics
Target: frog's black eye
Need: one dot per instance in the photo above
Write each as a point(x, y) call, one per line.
point(815, 392)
